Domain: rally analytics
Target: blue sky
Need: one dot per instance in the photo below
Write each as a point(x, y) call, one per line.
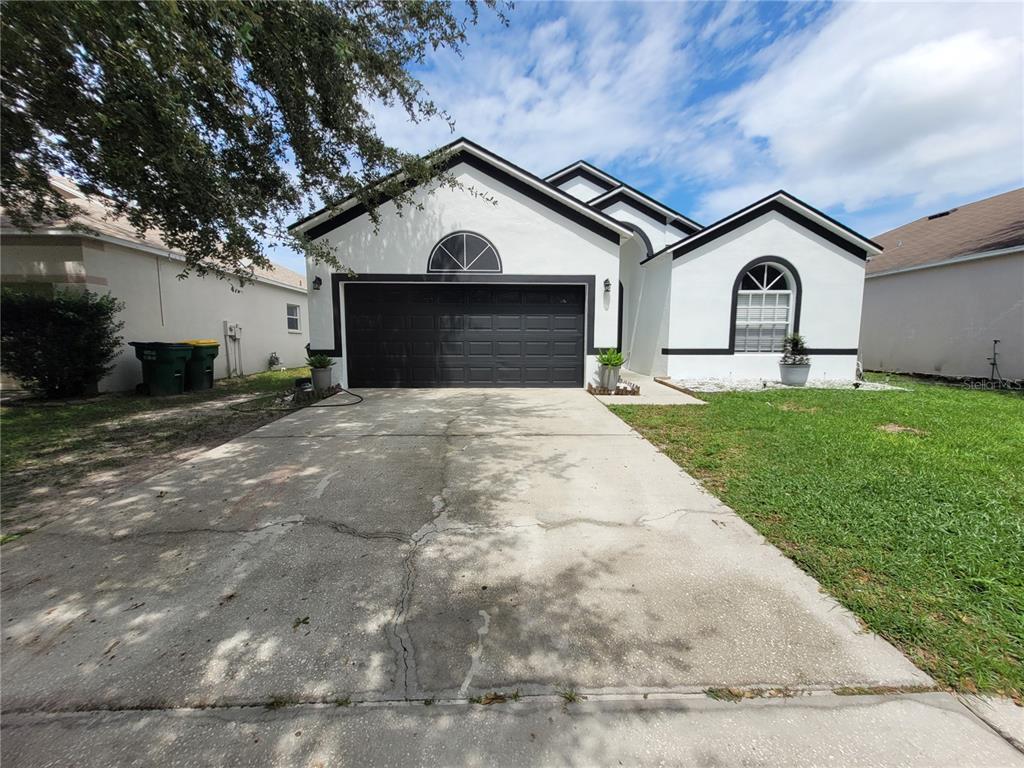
point(878, 113)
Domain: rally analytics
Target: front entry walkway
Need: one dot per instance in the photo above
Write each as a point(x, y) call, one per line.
point(438, 546)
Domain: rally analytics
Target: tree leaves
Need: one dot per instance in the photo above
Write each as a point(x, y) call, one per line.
point(214, 122)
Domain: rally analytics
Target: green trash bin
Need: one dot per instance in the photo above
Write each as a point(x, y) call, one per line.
point(163, 366)
point(199, 368)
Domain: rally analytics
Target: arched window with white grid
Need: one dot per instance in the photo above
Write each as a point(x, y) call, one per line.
point(464, 252)
point(766, 301)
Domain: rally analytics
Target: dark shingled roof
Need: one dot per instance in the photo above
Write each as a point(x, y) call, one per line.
point(987, 225)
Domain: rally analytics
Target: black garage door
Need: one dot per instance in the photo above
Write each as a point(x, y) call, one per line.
point(430, 335)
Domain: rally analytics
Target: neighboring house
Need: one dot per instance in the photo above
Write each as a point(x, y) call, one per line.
point(143, 272)
point(522, 283)
point(945, 288)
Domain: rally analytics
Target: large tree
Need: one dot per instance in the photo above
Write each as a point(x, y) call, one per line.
point(213, 121)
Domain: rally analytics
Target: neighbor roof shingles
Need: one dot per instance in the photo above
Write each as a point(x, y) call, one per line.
point(987, 225)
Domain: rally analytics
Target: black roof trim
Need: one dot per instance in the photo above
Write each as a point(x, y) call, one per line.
point(309, 217)
point(583, 173)
point(772, 202)
point(676, 216)
point(623, 194)
point(548, 197)
point(584, 170)
point(610, 183)
point(684, 227)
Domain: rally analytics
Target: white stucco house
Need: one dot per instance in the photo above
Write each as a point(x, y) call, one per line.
point(947, 287)
point(268, 315)
point(523, 282)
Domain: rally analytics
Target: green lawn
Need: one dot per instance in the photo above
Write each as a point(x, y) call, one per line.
point(920, 533)
point(49, 450)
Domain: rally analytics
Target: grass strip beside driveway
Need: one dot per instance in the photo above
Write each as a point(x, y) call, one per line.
point(908, 507)
point(60, 453)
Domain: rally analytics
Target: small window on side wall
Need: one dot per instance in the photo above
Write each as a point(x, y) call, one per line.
point(294, 318)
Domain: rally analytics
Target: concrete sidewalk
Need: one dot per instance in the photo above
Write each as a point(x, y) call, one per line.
point(819, 730)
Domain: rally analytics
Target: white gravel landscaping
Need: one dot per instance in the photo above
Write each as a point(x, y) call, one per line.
point(753, 385)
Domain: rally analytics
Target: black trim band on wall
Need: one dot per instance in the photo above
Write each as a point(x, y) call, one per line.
point(498, 174)
point(720, 351)
point(589, 282)
point(695, 351)
point(756, 212)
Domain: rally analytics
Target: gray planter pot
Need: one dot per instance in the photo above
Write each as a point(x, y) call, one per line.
point(321, 378)
point(794, 375)
point(609, 376)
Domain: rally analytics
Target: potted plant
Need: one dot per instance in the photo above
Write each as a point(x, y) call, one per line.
point(794, 365)
point(611, 361)
point(321, 368)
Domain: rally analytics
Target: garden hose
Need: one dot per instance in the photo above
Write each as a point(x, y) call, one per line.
point(251, 406)
point(357, 401)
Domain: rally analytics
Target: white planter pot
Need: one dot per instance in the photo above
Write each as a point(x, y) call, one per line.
point(321, 378)
point(609, 376)
point(794, 375)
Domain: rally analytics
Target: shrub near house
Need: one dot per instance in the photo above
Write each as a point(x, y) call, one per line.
point(60, 345)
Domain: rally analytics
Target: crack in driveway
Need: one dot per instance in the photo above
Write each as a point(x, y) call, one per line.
point(399, 637)
point(462, 497)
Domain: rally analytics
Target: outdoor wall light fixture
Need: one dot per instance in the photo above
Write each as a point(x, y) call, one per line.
point(317, 282)
point(607, 285)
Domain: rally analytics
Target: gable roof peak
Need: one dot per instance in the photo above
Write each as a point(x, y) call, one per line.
point(793, 208)
point(463, 150)
point(612, 189)
point(583, 168)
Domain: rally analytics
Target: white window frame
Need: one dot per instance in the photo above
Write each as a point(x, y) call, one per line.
point(760, 325)
point(288, 317)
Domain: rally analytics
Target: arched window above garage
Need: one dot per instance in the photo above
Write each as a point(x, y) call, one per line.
point(464, 252)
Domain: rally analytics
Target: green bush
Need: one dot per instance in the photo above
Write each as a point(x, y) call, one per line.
point(60, 345)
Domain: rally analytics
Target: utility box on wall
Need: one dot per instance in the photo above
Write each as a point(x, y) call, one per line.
point(233, 348)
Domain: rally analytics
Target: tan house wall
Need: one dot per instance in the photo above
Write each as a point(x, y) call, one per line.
point(158, 306)
point(942, 320)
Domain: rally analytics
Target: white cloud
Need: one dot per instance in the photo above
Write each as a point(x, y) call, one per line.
point(853, 108)
point(884, 101)
point(545, 92)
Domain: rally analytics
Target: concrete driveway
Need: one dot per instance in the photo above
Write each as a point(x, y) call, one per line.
point(423, 545)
